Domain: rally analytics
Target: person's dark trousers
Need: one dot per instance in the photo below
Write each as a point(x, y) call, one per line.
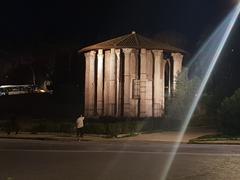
point(80, 132)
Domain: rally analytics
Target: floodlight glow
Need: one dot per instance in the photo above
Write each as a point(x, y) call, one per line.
point(206, 58)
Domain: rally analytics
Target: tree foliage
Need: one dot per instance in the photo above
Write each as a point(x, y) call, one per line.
point(229, 114)
point(181, 100)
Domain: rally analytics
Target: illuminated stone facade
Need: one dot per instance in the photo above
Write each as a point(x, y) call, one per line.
point(129, 76)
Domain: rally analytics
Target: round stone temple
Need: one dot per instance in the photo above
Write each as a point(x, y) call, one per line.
point(128, 77)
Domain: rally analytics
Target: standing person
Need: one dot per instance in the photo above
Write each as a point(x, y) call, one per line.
point(79, 126)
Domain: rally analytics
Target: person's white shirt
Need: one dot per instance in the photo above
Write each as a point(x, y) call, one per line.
point(79, 122)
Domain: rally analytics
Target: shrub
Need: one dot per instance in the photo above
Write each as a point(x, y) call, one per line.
point(113, 129)
point(95, 128)
point(115, 126)
point(44, 125)
point(66, 127)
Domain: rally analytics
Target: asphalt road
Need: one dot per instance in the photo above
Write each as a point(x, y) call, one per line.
point(49, 160)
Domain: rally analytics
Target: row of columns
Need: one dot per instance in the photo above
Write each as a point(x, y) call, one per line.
point(114, 82)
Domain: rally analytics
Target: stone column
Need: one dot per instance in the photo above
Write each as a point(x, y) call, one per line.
point(133, 76)
point(91, 85)
point(177, 67)
point(118, 89)
point(87, 71)
point(112, 83)
point(143, 82)
point(126, 98)
point(106, 82)
point(168, 62)
point(158, 83)
point(149, 87)
point(162, 77)
point(100, 82)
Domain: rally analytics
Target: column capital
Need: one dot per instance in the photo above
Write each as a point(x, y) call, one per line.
point(92, 52)
point(112, 51)
point(149, 52)
point(107, 52)
point(157, 52)
point(135, 51)
point(87, 55)
point(117, 51)
point(90, 55)
point(127, 50)
point(177, 56)
point(100, 54)
point(100, 51)
point(143, 51)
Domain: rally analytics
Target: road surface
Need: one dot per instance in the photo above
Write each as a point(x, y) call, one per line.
point(50, 160)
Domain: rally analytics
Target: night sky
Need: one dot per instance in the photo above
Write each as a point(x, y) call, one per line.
point(30, 25)
point(79, 23)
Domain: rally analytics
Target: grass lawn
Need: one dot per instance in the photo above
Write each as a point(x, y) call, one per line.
point(217, 138)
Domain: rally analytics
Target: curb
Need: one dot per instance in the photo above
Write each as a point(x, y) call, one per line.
point(37, 138)
point(105, 140)
point(67, 139)
point(214, 142)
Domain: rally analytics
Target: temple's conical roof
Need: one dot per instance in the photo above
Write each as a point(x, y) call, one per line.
point(132, 40)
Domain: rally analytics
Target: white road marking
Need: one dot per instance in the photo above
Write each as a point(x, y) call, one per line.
point(124, 152)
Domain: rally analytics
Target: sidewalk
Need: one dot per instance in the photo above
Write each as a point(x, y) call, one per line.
point(156, 136)
point(50, 136)
point(170, 136)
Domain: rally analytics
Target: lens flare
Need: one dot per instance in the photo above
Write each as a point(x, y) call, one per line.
point(205, 60)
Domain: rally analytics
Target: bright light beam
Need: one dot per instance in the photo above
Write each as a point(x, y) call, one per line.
point(214, 46)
